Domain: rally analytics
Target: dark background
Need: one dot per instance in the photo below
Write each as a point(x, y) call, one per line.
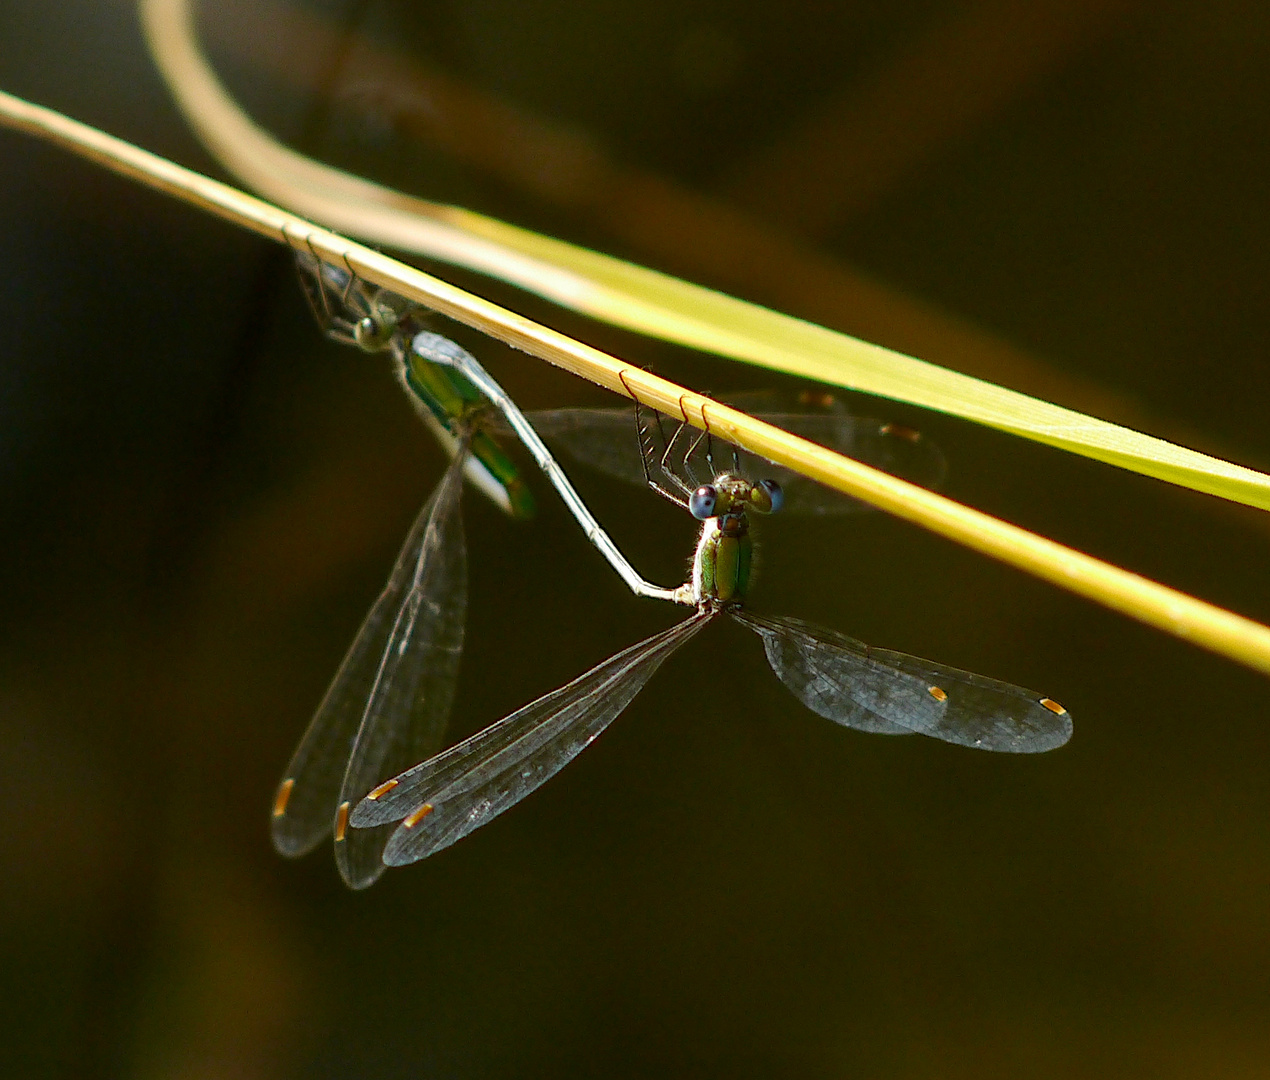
point(199, 498)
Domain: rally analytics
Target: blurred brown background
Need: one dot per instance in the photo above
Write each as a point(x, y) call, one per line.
point(200, 498)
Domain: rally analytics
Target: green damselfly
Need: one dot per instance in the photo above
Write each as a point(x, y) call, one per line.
point(389, 703)
point(444, 798)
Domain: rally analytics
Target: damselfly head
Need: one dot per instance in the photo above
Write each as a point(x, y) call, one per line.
point(734, 495)
point(373, 332)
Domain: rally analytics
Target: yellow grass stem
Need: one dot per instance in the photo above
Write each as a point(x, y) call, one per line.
point(1157, 605)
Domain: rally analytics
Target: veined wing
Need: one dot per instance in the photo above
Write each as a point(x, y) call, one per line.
point(605, 439)
point(602, 439)
point(445, 798)
point(891, 448)
point(892, 693)
point(822, 418)
point(390, 700)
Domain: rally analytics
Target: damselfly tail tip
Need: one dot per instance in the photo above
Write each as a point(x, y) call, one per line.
point(283, 797)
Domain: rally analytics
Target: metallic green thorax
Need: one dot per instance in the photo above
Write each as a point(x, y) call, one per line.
point(450, 398)
point(721, 566)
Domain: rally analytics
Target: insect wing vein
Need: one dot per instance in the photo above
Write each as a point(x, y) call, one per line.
point(602, 440)
point(840, 678)
point(892, 693)
point(496, 768)
point(409, 705)
point(318, 769)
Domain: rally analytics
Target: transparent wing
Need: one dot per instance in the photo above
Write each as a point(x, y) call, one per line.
point(444, 799)
point(605, 439)
point(891, 693)
point(389, 702)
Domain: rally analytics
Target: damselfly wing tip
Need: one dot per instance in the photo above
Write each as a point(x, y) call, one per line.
point(1053, 706)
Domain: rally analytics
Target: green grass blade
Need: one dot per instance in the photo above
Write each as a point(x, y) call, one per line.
point(637, 298)
point(663, 306)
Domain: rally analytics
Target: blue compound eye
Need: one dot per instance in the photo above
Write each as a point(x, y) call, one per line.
point(775, 496)
point(703, 502)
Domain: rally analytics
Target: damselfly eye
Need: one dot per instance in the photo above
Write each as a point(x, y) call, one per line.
point(703, 502)
point(767, 497)
point(367, 333)
point(373, 332)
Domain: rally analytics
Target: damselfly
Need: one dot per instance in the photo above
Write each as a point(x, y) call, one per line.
point(447, 796)
point(389, 703)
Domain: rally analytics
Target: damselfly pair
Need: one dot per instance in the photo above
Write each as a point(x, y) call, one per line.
point(389, 703)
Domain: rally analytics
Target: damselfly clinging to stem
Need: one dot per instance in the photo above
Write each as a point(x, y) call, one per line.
point(446, 797)
point(389, 703)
